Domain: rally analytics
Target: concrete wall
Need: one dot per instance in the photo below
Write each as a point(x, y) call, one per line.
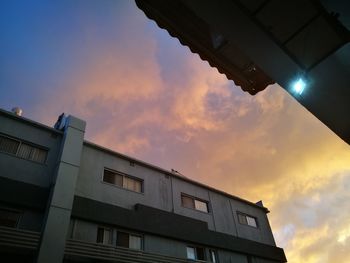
point(262, 233)
point(223, 214)
point(164, 192)
point(87, 231)
point(164, 246)
point(157, 189)
point(181, 186)
point(262, 260)
point(230, 257)
point(25, 170)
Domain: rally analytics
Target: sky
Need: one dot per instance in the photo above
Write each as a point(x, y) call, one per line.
point(145, 95)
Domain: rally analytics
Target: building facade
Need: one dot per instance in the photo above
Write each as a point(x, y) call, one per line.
point(64, 199)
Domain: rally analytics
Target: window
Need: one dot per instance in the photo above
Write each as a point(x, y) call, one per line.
point(104, 235)
point(201, 206)
point(113, 178)
point(212, 256)
point(195, 253)
point(187, 201)
point(9, 218)
point(135, 242)
point(194, 203)
point(8, 145)
point(129, 241)
point(247, 220)
point(122, 180)
point(22, 150)
point(122, 239)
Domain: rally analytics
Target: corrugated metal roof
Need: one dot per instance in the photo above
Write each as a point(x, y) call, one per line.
point(192, 31)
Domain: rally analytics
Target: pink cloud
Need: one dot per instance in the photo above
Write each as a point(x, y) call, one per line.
point(263, 147)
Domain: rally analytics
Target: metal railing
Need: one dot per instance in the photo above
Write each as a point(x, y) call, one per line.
point(29, 240)
point(116, 254)
point(18, 238)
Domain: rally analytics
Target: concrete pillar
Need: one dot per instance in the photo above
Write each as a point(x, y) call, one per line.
point(58, 214)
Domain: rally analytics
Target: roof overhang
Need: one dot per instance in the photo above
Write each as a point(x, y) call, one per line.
point(258, 42)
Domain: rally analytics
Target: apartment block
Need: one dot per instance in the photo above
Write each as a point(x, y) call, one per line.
point(65, 199)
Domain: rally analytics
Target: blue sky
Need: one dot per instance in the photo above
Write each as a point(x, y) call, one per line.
point(144, 94)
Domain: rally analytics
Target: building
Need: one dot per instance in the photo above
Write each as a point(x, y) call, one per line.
point(64, 199)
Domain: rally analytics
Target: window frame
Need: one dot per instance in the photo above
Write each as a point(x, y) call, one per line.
point(215, 253)
point(123, 175)
point(32, 146)
point(246, 223)
point(194, 199)
point(195, 248)
point(105, 229)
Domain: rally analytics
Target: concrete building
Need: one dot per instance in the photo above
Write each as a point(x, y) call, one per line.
point(64, 199)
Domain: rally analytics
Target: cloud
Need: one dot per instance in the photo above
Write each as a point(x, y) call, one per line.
point(144, 94)
point(320, 220)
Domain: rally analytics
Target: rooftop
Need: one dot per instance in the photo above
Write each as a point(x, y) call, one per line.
point(132, 159)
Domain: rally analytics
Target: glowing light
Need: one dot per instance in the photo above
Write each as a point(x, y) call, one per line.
point(299, 86)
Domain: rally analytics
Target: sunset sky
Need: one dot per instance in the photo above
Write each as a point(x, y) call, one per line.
point(145, 95)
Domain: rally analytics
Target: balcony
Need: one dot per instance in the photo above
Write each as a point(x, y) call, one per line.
point(21, 241)
point(78, 251)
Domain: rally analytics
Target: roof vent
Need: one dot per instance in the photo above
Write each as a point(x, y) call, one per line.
point(17, 111)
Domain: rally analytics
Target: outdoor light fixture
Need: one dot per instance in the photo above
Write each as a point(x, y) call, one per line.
point(299, 85)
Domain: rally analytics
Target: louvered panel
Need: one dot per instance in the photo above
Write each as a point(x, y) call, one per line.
point(12, 237)
point(24, 151)
point(38, 155)
point(8, 145)
point(113, 254)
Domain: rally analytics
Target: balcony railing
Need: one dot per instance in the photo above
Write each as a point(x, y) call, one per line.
point(18, 238)
point(82, 249)
point(24, 240)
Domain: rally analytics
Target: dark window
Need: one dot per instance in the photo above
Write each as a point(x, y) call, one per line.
point(22, 150)
point(128, 240)
point(200, 253)
point(113, 178)
point(247, 220)
point(122, 239)
point(242, 219)
point(9, 218)
point(194, 203)
point(8, 145)
point(104, 235)
point(38, 155)
point(122, 180)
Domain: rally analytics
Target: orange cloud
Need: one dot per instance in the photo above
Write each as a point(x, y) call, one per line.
point(262, 147)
